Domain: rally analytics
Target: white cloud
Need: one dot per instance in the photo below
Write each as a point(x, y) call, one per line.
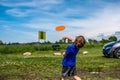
point(30, 7)
point(13, 35)
point(33, 3)
point(18, 12)
point(106, 20)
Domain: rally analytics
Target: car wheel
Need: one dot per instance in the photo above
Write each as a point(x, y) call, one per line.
point(117, 53)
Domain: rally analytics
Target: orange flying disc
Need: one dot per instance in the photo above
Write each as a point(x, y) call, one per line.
point(60, 28)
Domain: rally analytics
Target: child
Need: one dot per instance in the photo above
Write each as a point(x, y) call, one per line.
point(69, 60)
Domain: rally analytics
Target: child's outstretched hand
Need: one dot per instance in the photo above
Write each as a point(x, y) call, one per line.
point(64, 38)
point(64, 54)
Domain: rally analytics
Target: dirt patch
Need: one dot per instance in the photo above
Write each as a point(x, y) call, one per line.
point(7, 77)
point(84, 74)
point(103, 75)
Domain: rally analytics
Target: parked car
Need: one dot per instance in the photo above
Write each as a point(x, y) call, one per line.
point(112, 49)
point(56, 47)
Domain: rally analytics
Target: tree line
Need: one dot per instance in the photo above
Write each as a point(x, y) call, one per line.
point(90, 41)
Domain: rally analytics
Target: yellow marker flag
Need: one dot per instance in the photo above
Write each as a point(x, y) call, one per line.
point(44, 35)
point(41, 35)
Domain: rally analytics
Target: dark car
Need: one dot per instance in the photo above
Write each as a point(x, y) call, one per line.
point(56, 47)
point(112, 49)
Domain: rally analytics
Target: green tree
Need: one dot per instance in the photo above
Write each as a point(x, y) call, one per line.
point(104, 41)
point(92, 41)
point(112, 38)
point(1, 43)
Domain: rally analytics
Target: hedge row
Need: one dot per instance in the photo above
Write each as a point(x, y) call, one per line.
point(35, 47)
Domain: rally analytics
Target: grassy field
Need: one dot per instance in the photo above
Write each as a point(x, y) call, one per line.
point(43, 65)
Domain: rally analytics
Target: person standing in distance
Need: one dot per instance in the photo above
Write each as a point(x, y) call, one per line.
point(69, 60)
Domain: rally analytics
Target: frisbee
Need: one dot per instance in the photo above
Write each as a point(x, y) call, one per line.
point(60, 28)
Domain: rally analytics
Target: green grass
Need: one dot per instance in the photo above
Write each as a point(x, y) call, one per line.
point(43, 65)
point(95, 60)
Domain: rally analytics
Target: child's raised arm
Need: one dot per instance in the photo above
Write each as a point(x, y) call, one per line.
point(64, 38)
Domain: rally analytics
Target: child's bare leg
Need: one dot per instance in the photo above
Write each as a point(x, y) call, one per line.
point(63, 78)
point(76, 77)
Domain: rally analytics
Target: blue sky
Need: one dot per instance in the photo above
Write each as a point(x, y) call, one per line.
point(20, 20)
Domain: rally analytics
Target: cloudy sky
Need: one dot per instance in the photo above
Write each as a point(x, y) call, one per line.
point(20, 20)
